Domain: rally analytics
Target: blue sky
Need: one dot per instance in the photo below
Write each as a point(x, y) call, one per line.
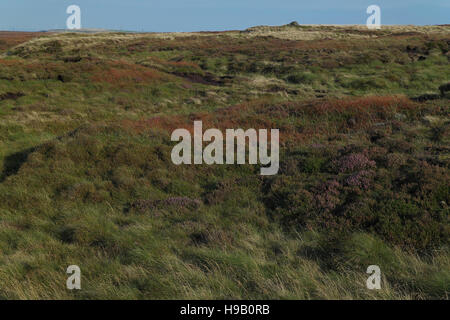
point(196, 15)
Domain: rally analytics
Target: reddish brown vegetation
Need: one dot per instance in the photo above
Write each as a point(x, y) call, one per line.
point(260, 114)
point(9, 63)
point(12, 39)
point(122, 73)
point(365, 105)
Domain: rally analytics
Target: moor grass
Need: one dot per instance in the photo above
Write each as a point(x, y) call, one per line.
point(86, 176)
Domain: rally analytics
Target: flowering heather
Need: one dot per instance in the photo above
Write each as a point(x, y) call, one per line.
point(354, 162)
point(327, 195)
point(86, 176)
point(361, 179)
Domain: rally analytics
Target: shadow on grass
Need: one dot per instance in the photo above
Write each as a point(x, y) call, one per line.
point(14, 162)
point(426, 97)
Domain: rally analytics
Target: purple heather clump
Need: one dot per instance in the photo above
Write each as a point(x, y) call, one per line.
point(327, 195)
point(361, 179)
point(354, 162)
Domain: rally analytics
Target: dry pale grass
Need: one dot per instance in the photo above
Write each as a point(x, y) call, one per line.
point(322, 32)
point(261, 82)
point(70, 41)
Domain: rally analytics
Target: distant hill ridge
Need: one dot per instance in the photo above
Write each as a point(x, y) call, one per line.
point(86, 30)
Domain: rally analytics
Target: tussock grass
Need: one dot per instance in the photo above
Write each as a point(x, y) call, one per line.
point(86, 176)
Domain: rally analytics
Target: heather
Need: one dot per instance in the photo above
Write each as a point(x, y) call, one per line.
point(86, 176)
